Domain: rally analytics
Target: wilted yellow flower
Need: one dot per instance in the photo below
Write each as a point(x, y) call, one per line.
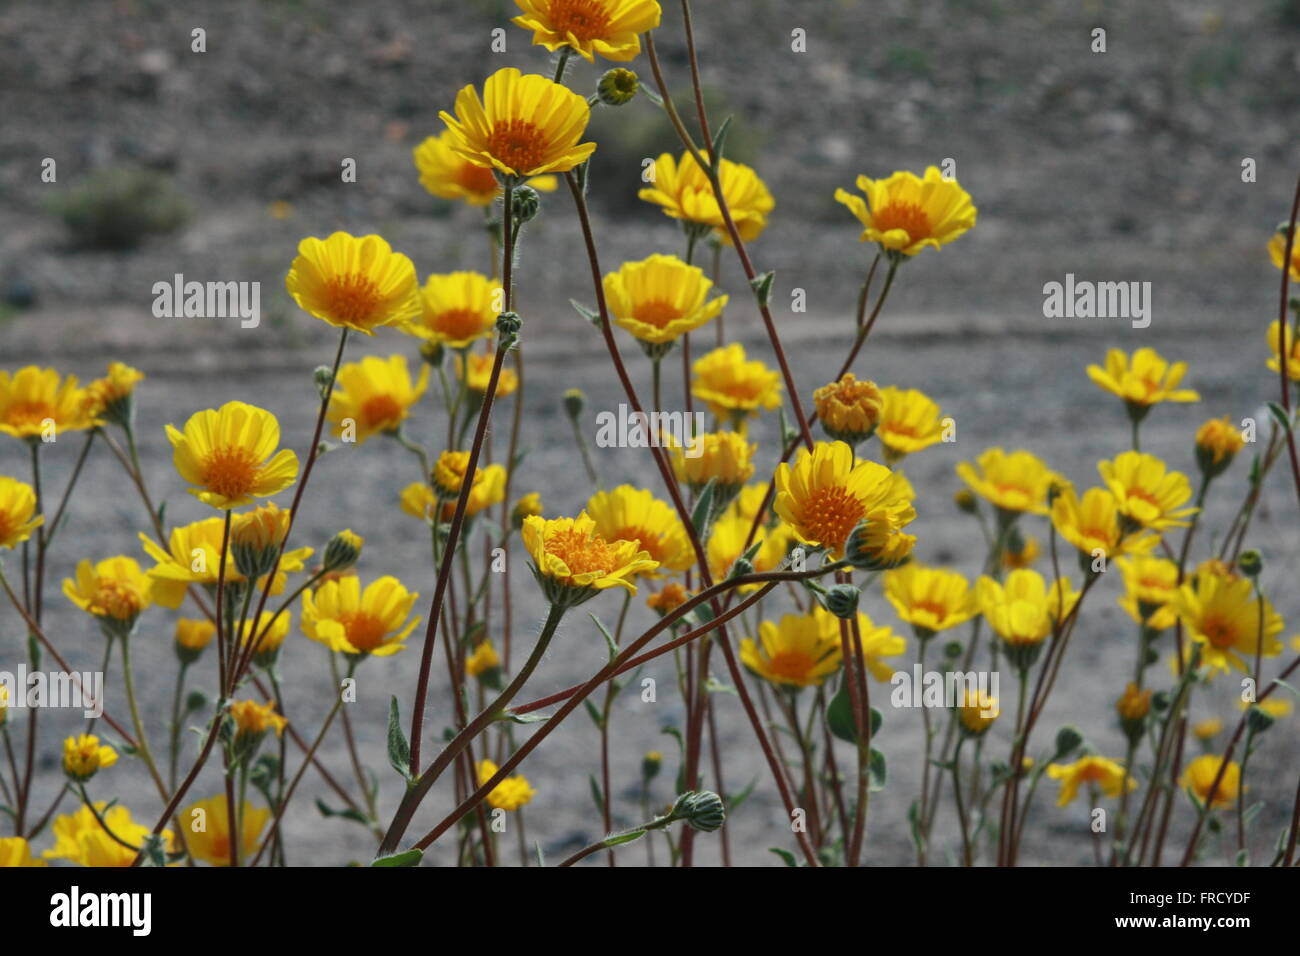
point(673, 596)
point(733, 386)
point(1093, 525)
point(109, 397)
point(193, 556)
point(510, 794)
point(1292, 348)
point(523, 126)
point(17, 512)
point(16, 852)
point(976, 711)
point(343, 618)
point(114, 590)
point(480, 375)
point(1217, 443)
point(375, 395)
point(228, 455)
point(609, 28)
point(1013, 482)
point(930, 599)
point(634, 514)
point(1149, 583)
point(682, 189)
point(35, 402)
point(825, 494)
point(849, 410)
point(660, 298)
point(574, 562)
point(801, 651)
point(253, 719)
point(483, 659)
point(726, 545)
point(1142, 381)
point(1225, 617)
point(456, 308)
point(724, 458)
point(906, 213)
point(1146, 492)
point(1133, 704)
point(354, 283)
point(1199, 777)
point(1024, 611)
point(1106, 774)
point(450, 176)
point(84, 756)
point(80, 838)
point(208, 836)
point(909, 422)
point(1277, 252)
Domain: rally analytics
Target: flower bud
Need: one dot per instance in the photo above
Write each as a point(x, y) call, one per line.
point(1258, 719)
point(524, 204)
point(702, 810)
point(432, 354)
point(508, 326)
point(1133, 707)
point(1250, 563)
point(342, 552)
point(1217, 443)
point(965, 501)
point(323, 376)
point(842, 600)
point(256, 537)
point(84, 756)
point(651, 764)
point(574, 401)
point(617, 87)
point(192, 636)
point(1068, 740)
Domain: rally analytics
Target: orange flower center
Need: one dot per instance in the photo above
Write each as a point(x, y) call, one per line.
point(658, 314)
point(650, 541)
point(791, 665)
point(517, 143)
point(353, 298)
point(365, 631)
point(907, 216)
point(585, 19)
point(936, 609)
point(117, 599)
point(830, 514)
point(458, 324)
point(382, 411)
point(583, 553)
point(230, 472)
point(477, 179)
point(1218, 632)
point(28, 416)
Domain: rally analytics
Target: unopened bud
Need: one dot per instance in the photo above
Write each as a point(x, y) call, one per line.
point(618, 86)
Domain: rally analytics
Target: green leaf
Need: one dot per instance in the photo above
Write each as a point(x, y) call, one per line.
point(785, 855)
point(593, 713)
point(596, 796)
point(347, 813)
point(1280, 413)
point(839, 716)
point(652, 96)
point(876, 770)
point(703, 511)
point(734, 801)
point(514, 718)
point(720, 140)
point(762, 286)
point(399, 751)
point(409, 858)
point(914, 824)
point(604, 631)
point(586, 313)
point(541, 857)
point(620, 838)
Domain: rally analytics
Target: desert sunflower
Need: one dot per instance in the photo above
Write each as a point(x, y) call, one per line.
point(480, 375)
point(35, 400)
point(229, 455)
point(683, 190)
point(634, 514)
point(510, 794)
point(1146, 492)
point(1277, 251)
point(906, 213)
point(113, 591)
point(660, 298)
point(909, 422)
point(930, 599)
point(800, 651)
point(345, 619)
point(450, 176)
point(1093, 525)
point(1293, 350)
point(110, 398)
point(1150, 582)
point(1024, 610)
point(376, 394)
point(608, 28)
point(1230, 622)
point(353, 282)
point(193, 556)
point(1108, 775)
point(1014, 482)
point(1144, 380)
point(733, 386)
point(80, 838)
point(574, 562)
point(18, 518)
point(457, 308)
point(849, 410)
point(211, 842)
point(1199, 777)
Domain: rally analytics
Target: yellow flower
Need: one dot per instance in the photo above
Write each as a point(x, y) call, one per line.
point(1149, 583)
point(724, 458)
point(253, 719)
point(727, 543)
point(480, 375)
point(1142, 381)
point(262, 529)
point(825, 494)
point(1199, 777)
point(208, 829)
point(1019, 551)
point(1277, 252)
point(354, 283)
point(733, 386)
point(1106, 774)
point(909, 422)
point(1217, 443)
point(114, 590)
point(673, 596)
point(849, 410)
point(1023, 612)
point(343, 618)
point(523, 126)
point(1292, 348)
point(1013, 482)
point(749, 500)
point(17, 512)
point(573, 561)
point(1275, 707)
point(930, 599)
point(1133, 704)
point(81, 838)
point(194, 634)
point(376, 395)
point(109, 397)
point(1093, 525)
point(510, 794)
point(1146, 492)
point(976, 711)
point(84, 756)
point(449, 176)
point(418, 501)
point(483, 659)
point(529, 504)
point(488, 487)
point(906, 213)
point(1225, 617)
point(228, 455)
point(457, 308)
point(801, 651)
point(193, 556)
point(1205, 729)
point(684, 192)
point(609, 28)
point(632, 514)
point(4, 703)
point(15, 852)
point(35, 402)
point(660, 298)
point(269, 631)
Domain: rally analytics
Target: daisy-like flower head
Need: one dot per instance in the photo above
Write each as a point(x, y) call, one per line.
point(906, 213)
point(375, 395)
point(1014, 482)
point(229, 455)
point(725, 458)
point(1092, 524)
point(909, 422)
point(1292, 348)
point(208, 836)
point(682, 189)
point(84, 756)
point(510, 794)
point(1024, 611)
point(930, 599)
point(1147, 494)
point(448, 475)
point(483, 660)
point(1144, 380)
point(269, 630)
point(976, 711)
point(1277, 251)
point(36, 402)
point(1018, 551)
point(800, 651)
point(353, 282)
point(253, 720)
point(17, 852)
point(634, 514)
point(660, 298)
point(256, 537)
point(673, 596)
point(1225, 617)
point(1134, 705)
point(523, 126)
point(450, 176)
point(1100, 772)
point(849, 410)
point(608, 28)
point(80, 838)
point(480, 375)
point(733, 386)
point(1199, 777)
point(457, 308)
point(1149, 584)
point(110, 398)
point(573, 562)
point(345, 619)
point(824, 496)
point(726, 545)
point(1217, 443)
point(193, 634)
point(113, 591)
point(18, 518)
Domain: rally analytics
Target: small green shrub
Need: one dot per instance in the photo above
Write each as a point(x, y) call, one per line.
point(118, 207)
